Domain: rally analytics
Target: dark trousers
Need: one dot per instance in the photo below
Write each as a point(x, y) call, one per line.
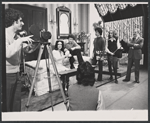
point(112, 62)
point(76, 52)
point(100, 65)
point(137, 67)
point(94, 61)
point(13, 92)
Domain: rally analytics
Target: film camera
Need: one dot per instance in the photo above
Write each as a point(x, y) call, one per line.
point(39, 35)
point(45, 35)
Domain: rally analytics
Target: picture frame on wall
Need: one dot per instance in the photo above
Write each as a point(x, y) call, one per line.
point(63, 22)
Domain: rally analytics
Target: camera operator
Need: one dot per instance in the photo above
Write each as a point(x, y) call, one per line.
point(13, 23)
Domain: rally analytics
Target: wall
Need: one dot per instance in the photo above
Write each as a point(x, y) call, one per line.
point(79, 13)
point(84, 15)
point(51, 12)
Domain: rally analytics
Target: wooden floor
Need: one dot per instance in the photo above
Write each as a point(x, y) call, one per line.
point(43, 102)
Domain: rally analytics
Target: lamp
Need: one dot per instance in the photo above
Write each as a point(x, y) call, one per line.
point(52, 21)
point(75, 24)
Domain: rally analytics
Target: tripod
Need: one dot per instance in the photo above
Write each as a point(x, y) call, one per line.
point(50, 55)
point(24, 76)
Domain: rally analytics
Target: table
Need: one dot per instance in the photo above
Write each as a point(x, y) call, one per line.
point(64, 75)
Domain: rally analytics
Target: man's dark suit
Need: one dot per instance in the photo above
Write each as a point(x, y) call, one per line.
point(134, 55)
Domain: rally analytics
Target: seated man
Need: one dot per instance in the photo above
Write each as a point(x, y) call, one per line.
point(74, 49)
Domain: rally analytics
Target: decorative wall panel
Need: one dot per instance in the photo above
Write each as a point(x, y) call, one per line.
point(124, 27)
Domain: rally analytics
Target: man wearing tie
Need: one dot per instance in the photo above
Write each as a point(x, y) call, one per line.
point(134, 55)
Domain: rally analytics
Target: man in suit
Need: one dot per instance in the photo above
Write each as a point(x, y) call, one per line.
point(134, 55)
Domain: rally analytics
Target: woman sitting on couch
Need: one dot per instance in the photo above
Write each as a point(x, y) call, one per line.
point(60, 58)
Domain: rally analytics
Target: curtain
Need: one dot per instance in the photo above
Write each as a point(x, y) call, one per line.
point(112, 8)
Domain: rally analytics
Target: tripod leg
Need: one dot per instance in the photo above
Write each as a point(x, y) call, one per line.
point(35, 73)
point(63, 84)
point(27, 81)
point(57, 75)
point(49, 80)
point(23, 72)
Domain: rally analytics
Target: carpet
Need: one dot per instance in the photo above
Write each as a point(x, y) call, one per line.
point(119, 96)
point(44, 101)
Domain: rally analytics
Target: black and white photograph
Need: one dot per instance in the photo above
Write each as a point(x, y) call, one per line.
point(74, 61)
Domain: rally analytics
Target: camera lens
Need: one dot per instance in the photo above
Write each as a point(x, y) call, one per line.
point(46, 35)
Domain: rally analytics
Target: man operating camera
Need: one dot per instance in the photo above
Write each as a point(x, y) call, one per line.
point(13, 23)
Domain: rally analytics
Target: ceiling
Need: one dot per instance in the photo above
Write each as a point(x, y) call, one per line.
point(112, 12)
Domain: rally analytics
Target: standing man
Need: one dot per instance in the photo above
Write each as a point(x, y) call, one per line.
point(13, 23)
point(135, 55)
point(98, 51)
point(74, 49)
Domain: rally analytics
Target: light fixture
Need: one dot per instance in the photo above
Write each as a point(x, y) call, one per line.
point(75, 24)
point(52, 21)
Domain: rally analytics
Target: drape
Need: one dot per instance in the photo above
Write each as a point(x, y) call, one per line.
point(125, 27)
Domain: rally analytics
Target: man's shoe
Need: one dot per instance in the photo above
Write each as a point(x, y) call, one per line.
point(72, 67)
point(126, 80)
point(111, 78)
point(136, 81)
point(98, 79)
